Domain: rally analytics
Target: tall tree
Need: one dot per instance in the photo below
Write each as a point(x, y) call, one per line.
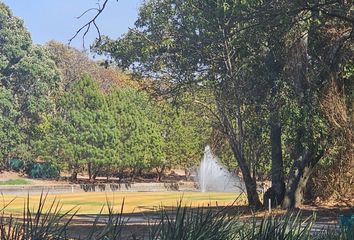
point(32, 77)
point(10, 135)
point(248, 53)
point(73, 64)
point(140, 134)
point(83, 133)
point(192, 44)
point(185, 131)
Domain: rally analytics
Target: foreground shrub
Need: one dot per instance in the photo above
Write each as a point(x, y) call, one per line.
point(36, 224)
point(51, 223)
point(185, 223)
point(195, 223)
point(180, 223)
point(287, 227)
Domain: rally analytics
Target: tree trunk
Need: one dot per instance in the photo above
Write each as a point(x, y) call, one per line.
point(132, 175)
point(160, 173)
point(277, 191)
point(300, 173)
point(73, 176)
point(120, 174)
point(187, 174)
point(251, 186)
point(95, 170)
point(89, 169)
point(94, 175)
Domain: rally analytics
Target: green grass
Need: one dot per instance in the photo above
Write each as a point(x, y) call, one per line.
point(92, 202)
point(47, 221)
point(17, 181)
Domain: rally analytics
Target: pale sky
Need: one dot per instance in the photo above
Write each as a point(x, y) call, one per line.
point(56, 19)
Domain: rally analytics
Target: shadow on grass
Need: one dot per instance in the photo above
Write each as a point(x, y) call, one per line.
point(167, 222)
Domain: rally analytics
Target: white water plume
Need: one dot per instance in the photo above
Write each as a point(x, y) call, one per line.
point(214, 177)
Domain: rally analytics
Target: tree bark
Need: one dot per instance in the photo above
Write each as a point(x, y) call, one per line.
point(89, 169)
point(250, 183)
point(160, 173)
point(94, 175)
point(300, 173)
point(277, 171)
point(73, 176)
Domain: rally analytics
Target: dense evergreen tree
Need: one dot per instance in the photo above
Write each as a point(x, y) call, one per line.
point(140, 134)
point(82, 134)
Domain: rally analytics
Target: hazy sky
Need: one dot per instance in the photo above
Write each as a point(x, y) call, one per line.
point(56, 19)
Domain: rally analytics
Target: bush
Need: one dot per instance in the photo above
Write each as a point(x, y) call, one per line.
point(16, 164)
point(43, 170)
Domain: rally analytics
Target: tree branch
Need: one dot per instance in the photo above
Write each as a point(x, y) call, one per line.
point(86, 28)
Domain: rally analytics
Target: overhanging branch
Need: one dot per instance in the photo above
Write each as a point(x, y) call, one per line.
point(86, 28)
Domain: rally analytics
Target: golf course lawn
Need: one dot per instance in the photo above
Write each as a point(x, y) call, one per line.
point(92, 202)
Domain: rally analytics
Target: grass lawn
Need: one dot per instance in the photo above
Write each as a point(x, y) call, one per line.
point(17, 181)
point(91, 203)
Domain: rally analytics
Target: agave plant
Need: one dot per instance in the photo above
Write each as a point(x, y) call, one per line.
point(287, 227)
point(182, 223)
point(114, 223)
point(204, 223)
point(37, 224)
point(186, 223)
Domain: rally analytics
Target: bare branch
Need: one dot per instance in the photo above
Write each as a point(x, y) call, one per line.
point(86, 28)
point(88, 10)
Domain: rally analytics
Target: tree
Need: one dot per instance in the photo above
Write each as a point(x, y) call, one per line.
point(186, 132)
point(191, 43)
point(15, 42)
point(319, 57)
point(73, 64)
point(140, 134)
point(82, 133)
point(10, 136)
point(30, 75)
point(248, 53)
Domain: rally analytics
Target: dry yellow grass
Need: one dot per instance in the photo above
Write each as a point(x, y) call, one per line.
point(91, 203)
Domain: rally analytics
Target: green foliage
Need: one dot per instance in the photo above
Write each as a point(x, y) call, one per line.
point(15, 41)
point(140, 134)
point(185, 131)
point(185, 223)
point(114, 224)
point(18, 181)
point(16, 164)
point(43, 170)
point(29, 81)
point(37, 96)
point(206, 223)
point(82, 132)
point(10, 135)
point(267, 65)
point(37, 223)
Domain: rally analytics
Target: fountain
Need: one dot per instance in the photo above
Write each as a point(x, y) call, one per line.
point(214, 177)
